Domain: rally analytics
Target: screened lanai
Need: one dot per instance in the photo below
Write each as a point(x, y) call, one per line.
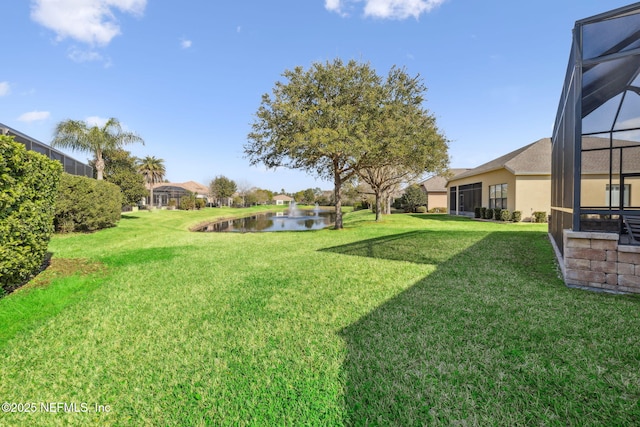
point(596, 139)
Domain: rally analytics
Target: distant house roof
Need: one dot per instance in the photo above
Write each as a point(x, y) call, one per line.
point(283, 197)
point(438, 183)
point(532, 159)
point(194, 187)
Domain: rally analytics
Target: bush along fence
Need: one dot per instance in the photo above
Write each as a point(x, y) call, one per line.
point(28, 188)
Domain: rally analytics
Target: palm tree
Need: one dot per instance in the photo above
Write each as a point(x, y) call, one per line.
point(80, 136)
point(152, 169)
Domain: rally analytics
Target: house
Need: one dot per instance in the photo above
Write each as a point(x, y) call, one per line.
point(436, 189)
point(518, 181)
point(164, 192)
point(71, 166)
point(282, 199)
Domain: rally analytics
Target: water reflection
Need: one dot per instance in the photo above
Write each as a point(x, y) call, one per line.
point(300, 220)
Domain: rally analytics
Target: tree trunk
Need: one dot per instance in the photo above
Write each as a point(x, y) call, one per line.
point(337, 193)
point(378, 206)
point(99, 166)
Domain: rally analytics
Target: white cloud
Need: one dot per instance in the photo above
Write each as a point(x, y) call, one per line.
point(333, 5)
point(185, 44)
point(81, 55)
point(386, 9)
point(4, 88)
point(96, 121)
point(88, 21)
point(34, 116)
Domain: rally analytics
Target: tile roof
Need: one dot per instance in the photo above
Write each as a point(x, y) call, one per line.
point(532, 159)
point(439, 182)
point(194, 187)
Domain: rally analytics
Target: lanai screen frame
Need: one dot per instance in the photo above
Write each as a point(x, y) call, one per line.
point(604, 63)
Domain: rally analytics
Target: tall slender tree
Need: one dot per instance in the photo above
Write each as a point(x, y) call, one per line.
point(153, 171)
point(80, 136)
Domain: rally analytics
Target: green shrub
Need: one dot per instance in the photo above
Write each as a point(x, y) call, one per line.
point(496, 214)
point(516, 216)
point(483, 212)
point(488, 214)
point(539, 216)
point(85, 204)
point(421, 209)
point(505, 215)
point(438, 210)
point(477, 212)
point(28, 187)
point(189, 201)
point(200, 203)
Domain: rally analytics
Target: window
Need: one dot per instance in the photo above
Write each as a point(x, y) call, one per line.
point(498, 196)
point(613, 194)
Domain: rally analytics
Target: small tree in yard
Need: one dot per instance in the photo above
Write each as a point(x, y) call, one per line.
point(413, 197)
point(222, 188)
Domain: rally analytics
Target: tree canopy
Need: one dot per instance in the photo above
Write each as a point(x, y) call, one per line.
point(337, 120)
point(222, 188)
point(78, 135)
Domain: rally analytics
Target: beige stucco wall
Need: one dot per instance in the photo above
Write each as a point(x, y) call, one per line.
point(436, 200)
point(594, 188)
point(533, 193)
point(525, 193)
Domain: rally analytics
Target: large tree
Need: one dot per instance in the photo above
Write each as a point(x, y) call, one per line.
point(318, 121)
point(120, 168)
point(80, 136)
point(152, 170)
point(222, 188)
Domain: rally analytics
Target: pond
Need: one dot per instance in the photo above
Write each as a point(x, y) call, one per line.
point(292, 220)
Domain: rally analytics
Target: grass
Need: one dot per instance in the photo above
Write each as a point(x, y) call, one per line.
point(417, 320)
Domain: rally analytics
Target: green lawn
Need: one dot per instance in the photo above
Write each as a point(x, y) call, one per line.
point(417, 320)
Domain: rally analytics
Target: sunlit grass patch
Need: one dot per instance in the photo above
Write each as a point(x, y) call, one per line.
point(417, 320)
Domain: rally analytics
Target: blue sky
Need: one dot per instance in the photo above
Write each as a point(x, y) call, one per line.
point(188, 76)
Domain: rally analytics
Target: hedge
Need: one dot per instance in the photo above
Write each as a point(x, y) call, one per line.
point(28, 187)
point(86, 204)
point(539, 216)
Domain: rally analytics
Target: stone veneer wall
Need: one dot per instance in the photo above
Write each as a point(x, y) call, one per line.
point(597, 260)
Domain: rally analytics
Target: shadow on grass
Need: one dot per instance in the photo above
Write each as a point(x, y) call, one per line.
point(491, 337)
point(125, 216)
point(419, 247)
